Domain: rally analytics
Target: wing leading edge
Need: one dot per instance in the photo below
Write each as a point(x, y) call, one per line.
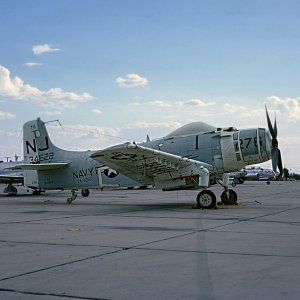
point(39, 167)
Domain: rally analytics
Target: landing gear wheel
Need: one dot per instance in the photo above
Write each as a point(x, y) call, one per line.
point(69, 200)
point(268, 182)
point(232, 197)
point(206, 199)
point(36, 192)
point(85, 192)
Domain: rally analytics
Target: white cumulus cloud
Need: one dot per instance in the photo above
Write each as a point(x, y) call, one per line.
point(45, 48)
point(7, 133)
point(32, 64)
point(50, 113)
point(83, 137)
point(196, 102)
point(159, 103)
point(132, 80)
point(288, 106)
point(97, 111)
point(169, 124)
point(6, 115)
point(233, 108)
point(134, 104)
point(17, 89)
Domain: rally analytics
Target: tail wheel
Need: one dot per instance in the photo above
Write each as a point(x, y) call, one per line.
point(232, 199)
point(85, 192)
point(206, 199)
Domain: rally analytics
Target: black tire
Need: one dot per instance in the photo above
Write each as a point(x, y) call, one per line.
point(268, 182)
point(232, 197)
point(85, 192)
point(206, 199)
point(36, 192)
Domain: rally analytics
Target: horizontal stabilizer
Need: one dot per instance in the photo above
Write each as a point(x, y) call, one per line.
point(39, 167)
point(11, 178)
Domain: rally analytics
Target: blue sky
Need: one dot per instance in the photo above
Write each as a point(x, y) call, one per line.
point(212, 61)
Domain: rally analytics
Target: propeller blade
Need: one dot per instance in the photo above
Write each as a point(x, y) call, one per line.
point(274, 156)
point(273, 134)
point(280, 163)
point(275, 128)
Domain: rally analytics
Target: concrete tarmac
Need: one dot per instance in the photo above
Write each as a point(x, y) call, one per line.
point(148, 244)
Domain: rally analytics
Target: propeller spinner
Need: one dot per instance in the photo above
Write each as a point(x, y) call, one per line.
point(275, 152)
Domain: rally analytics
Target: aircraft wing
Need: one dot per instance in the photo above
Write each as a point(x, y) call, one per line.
point(39, 167)
point(149, 166)
point(12, 178)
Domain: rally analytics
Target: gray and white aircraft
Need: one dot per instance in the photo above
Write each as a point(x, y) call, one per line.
point(193, 157)
point(47, 167)
point(253, 174)
point(11, 177)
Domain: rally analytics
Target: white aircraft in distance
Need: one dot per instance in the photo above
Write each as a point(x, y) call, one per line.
point(193, 156)
point(47, 167)
point(11, 177)
point(253, 173)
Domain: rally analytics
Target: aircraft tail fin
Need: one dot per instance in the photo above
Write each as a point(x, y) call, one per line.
point(37, 146)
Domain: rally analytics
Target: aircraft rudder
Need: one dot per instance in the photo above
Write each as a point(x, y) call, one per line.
point(37, 145)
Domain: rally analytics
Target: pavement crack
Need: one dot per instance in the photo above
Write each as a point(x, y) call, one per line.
point(60, 265)
point(49, 294)
point(217, 252)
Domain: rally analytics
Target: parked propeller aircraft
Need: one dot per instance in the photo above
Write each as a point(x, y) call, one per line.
point(193, 157)
point(252, 174)
point(47, 167)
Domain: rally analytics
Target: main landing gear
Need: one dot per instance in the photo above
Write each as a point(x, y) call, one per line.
point(73, 196)
point(207, 199)
point(37, 192)
point(84, 193)
point(10, 189)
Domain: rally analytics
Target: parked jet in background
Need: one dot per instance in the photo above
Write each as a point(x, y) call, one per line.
point(47, 167)
point(193, 156)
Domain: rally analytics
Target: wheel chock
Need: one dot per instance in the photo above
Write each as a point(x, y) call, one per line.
point(196, 206)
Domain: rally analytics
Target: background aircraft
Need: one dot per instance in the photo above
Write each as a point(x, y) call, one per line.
point(11, 177)
point(253, 173)
point(47, 167)
point(193, 156)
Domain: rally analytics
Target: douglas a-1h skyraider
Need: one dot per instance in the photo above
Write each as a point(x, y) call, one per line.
point(47, 167)
point(193, 157)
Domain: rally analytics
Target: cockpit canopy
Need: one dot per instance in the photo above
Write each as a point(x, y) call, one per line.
point(191, 128)
point(197, 128)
